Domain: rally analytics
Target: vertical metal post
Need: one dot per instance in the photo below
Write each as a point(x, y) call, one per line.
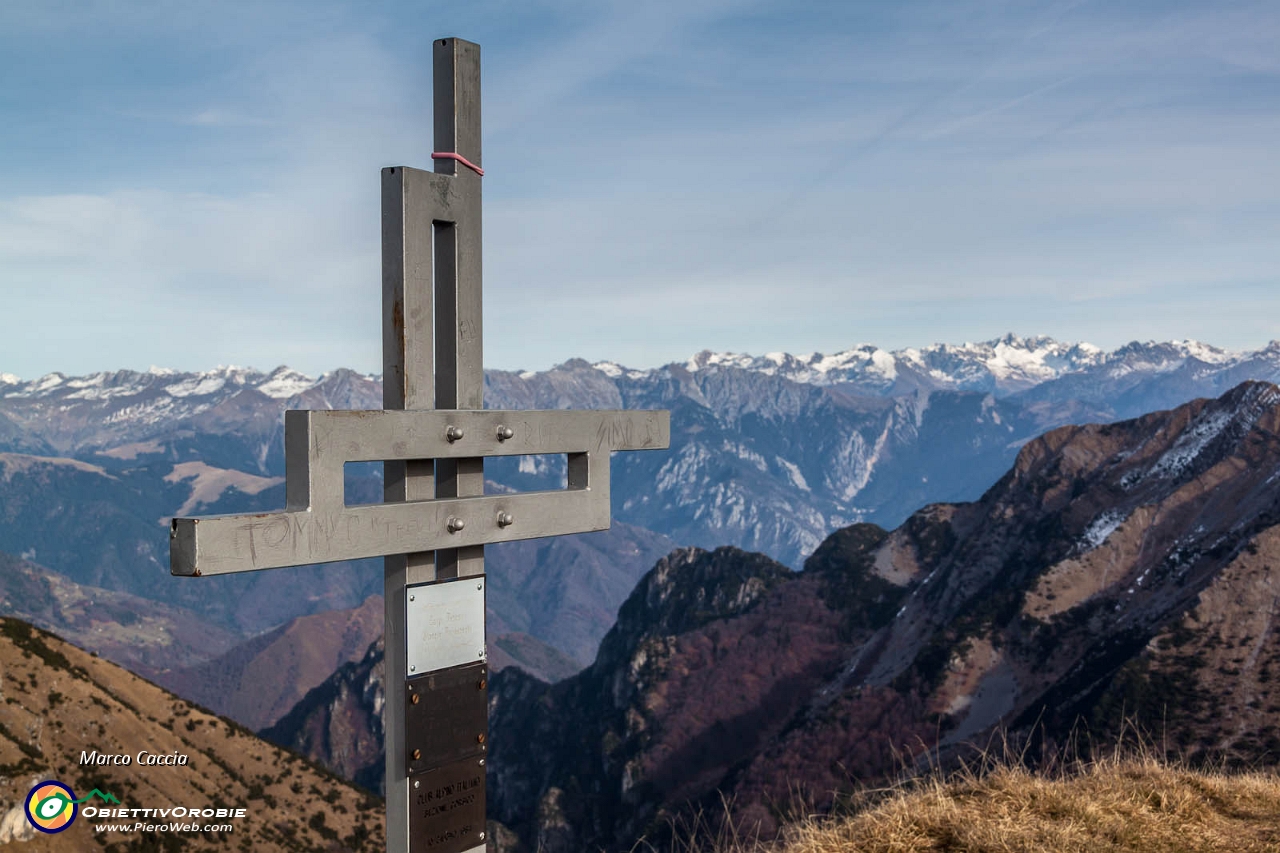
point(432, 358)
point(408, 378)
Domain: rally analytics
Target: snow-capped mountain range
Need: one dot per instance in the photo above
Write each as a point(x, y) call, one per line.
point(280, 384)
point(1002, 366)
point(768, 453)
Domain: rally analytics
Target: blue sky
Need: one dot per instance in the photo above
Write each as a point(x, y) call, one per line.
point(196, 184)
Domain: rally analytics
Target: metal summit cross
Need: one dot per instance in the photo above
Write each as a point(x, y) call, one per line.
point(436, 519)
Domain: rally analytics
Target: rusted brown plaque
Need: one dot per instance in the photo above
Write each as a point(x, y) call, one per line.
point(446, 717)
point(446, 808)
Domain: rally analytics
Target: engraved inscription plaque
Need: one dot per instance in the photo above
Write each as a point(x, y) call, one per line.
point(445, 624)
point(446, 812)
point(446, 716)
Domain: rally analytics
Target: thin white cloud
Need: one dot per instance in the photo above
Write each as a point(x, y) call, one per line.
point(214, 117)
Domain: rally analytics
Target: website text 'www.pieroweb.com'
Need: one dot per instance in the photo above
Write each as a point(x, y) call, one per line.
point(170, 819)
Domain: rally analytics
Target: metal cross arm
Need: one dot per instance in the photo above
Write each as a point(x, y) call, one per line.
point(318, 527)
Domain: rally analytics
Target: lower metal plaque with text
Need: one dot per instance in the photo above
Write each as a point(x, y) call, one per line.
point(446, 809)
point(446, 717)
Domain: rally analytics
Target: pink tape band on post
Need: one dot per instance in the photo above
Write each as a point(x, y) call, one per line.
point(449, 155)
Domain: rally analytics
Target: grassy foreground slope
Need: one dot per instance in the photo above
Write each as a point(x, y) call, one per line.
point(1133, 805)
point(57, 701)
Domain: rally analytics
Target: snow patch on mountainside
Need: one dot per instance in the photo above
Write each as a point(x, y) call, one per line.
point(608, 368)
point(1190, 444)
point(285, 383)
point(793, 472)
point(1100, 528)
point(197, 386)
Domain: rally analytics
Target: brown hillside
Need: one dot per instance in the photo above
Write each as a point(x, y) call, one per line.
point(60, 701)
point(258, 681)
point(135, 632)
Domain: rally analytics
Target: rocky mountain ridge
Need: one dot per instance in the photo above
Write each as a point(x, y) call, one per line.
point(1118, 573)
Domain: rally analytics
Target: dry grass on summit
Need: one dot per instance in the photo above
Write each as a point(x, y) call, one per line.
point(1136, 804)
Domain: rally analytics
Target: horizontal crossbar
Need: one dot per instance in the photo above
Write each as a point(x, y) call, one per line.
point(316, 526)
point(241, 543)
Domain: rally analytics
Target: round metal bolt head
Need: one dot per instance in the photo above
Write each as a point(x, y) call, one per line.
point(482, 653)
point(505, 519)
point(482, 762)
point(453, 433)
point(455, 524)
point(479, 586)
point(412, 668)
point(411, 598)
point(480, 738)
point(414, 699)
point(505, 432)
point(482, 684)
point(417, 753)
point(417, 783)
point(482, 836)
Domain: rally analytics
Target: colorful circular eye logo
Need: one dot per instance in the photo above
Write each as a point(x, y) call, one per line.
point(51, 807)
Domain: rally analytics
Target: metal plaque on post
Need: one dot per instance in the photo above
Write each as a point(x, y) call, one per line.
point(444, 624)
point(446, 717)
point(432, 436)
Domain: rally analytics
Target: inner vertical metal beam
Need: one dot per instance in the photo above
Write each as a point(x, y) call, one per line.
point(458, 282)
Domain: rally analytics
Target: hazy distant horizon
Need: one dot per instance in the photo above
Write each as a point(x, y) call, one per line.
point(760, 354)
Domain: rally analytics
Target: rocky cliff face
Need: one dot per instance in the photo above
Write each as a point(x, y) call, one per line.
point(258, 681)
point(339, 723)
point(1121, 571)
